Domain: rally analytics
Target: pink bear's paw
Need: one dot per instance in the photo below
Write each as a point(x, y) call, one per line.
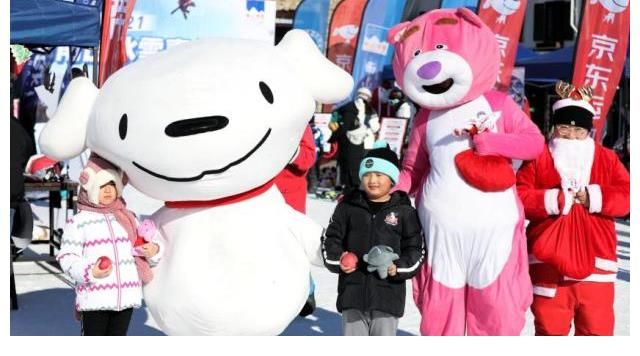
point(147, 229)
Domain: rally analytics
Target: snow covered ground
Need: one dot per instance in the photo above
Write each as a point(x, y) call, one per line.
point(45, 295)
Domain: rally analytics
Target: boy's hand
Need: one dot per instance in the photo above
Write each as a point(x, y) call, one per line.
point(149, 249)
point(346, 269)
point(392, 270)
point(101, 273)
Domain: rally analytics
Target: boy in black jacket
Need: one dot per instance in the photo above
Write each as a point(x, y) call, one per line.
point(369, 304)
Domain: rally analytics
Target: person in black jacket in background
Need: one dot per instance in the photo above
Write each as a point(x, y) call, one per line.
point(357, 120)
point(369, 304)
point(21, 150)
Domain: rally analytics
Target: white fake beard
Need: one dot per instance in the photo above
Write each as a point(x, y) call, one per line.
point(573, 159)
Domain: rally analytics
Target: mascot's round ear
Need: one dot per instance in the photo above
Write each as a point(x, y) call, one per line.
point(65, 134)
point(469, 16)
point(327, 82)
point(395, 34)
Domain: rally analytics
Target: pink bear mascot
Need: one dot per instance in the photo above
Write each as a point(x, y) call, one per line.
point(476, 280)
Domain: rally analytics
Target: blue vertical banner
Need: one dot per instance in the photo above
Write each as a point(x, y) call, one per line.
point(470, 4)
point(312, 16)
point(373, 52)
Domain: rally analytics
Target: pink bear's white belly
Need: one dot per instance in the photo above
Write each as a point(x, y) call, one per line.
point(469, 233)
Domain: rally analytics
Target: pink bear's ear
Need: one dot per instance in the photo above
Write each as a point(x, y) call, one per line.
point(469, 16)
point(395, 34)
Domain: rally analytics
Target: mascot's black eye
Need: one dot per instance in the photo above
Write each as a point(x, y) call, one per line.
point(266, 92)
point(122, 127)
point(417, 52)
point(441, 46)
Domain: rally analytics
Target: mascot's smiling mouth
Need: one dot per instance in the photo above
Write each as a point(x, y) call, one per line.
point(438, 88)
point(212, 171)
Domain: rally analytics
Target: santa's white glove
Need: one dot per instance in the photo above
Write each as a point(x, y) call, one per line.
point(481, 123)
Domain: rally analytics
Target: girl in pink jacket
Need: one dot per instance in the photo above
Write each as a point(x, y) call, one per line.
point(98, 253)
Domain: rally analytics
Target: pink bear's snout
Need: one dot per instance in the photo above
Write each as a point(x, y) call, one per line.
point(429, 70)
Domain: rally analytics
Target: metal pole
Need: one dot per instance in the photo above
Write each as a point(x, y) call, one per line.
point(96, 60)
point(572, 16)
point(52, 225)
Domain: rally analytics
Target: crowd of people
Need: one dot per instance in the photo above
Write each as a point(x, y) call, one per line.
point(369, 215)
point(475, 265)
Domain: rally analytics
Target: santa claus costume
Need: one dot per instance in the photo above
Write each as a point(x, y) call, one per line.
point(548, 187)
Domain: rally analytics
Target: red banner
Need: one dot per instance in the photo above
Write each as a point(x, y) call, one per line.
point(115, 20)
point(343, 35)
point(505, 19)
point(601, 52)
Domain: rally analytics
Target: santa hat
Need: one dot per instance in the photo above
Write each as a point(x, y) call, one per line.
point(97, 173)
point(381, 159)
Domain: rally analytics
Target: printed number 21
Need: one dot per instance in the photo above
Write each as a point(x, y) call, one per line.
point(132, 19)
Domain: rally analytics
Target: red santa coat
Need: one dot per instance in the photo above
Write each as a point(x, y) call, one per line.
point(292, 181)
point(608, 198)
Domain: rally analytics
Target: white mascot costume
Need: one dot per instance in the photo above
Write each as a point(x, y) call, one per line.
point(205, 127)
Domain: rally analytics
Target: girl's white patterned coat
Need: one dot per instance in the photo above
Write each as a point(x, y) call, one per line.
point(88, 236)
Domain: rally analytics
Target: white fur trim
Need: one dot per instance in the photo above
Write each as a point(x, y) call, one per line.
point(595, 278)
point(595, 198)
point(551, 201)
point(544, 291)
point(606, 265)
point(563, 103)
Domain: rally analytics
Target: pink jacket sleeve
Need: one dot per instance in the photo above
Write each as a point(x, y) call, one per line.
point(415, 164)
point(519, 138)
